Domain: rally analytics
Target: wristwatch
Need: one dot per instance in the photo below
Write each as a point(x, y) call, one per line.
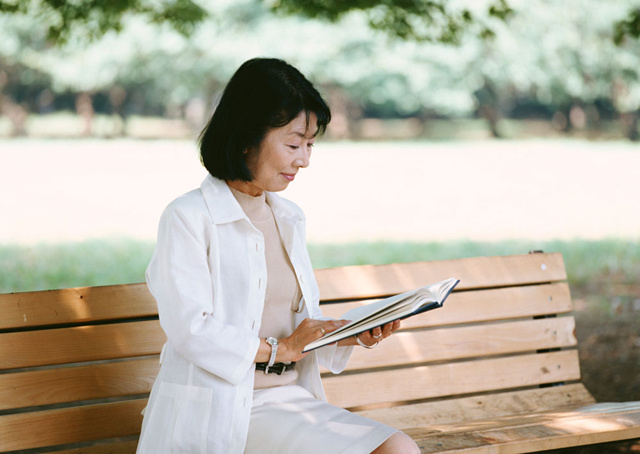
point(274, 350)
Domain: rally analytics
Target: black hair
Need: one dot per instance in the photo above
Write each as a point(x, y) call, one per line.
point(264, 93)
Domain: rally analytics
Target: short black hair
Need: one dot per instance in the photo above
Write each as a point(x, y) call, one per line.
point(264, 93)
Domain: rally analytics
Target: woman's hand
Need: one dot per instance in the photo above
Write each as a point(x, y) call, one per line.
point(373, 336)
point(290, 348)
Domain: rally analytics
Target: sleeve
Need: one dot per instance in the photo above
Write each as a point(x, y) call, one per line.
point(332, 357)
point(179, 278)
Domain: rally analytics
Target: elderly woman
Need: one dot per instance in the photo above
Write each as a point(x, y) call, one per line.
point(237, 296)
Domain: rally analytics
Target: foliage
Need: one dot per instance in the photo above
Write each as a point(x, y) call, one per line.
point(91, 19)
point(627, 28)
point(434, 20)
point(558, 56)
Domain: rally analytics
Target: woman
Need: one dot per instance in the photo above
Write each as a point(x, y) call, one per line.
point(237, 296)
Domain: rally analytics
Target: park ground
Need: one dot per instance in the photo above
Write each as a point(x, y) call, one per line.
point(531, 192)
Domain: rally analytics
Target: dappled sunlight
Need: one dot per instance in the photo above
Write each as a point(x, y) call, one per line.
point(586, 424)
point(410, 347)
point(77, 306)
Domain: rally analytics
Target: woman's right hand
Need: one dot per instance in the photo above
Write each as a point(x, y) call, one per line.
point(290, 348)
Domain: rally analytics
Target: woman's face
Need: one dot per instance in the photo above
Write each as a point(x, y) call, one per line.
point(281, 154)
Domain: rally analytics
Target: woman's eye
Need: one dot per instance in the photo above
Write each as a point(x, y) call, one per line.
point(294, 147)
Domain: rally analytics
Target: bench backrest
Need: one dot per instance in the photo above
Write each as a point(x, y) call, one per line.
point(76, 364)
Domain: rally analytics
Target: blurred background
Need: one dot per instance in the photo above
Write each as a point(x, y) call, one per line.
point(460, 128)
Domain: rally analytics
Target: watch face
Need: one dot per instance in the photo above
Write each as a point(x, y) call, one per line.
point(272, 341)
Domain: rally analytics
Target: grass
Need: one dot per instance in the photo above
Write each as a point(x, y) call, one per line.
point(88, 263)
point(603, 272)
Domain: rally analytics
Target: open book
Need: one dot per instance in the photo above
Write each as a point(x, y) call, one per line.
point(387, 310)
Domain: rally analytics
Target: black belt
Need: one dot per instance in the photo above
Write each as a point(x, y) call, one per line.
point(277, 368)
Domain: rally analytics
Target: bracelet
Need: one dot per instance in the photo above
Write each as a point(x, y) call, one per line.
point(363, 344)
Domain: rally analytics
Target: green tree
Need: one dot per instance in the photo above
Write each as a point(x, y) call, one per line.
point(432, 20)
point(91, 19)
point(556, 53)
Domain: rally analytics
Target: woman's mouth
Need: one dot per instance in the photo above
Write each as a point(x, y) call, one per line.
point(289, 176)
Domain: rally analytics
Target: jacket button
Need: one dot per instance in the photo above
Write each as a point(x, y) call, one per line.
point(302, 278)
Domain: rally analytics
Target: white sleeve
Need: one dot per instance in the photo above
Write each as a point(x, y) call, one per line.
point(179, 278)
point(332, 357)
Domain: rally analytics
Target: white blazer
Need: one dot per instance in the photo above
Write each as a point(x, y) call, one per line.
point(208, 275)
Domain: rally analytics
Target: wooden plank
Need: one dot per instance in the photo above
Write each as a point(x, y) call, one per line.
point(70, 425)
point(69, 384)
point(483, 305)
point(482, 407)
point(120, 447)
point(548, 417)
point(466, 377)
point(371, 281)
point(448, 344)
point(75, 305)
point(536, 432)
point(77, 344)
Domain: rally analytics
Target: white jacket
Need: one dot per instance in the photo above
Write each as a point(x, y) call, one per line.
point(208, 275)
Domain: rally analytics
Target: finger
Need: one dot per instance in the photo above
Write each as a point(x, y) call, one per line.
point(376, 333)
point(390, 327)
point(386, 330)
point(332, 325)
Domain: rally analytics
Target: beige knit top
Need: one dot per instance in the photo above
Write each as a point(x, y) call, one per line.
point(283, 292)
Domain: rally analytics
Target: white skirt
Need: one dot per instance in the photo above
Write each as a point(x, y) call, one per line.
point(288, 419)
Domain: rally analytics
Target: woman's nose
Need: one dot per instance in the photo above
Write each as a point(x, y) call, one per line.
point(303, 158)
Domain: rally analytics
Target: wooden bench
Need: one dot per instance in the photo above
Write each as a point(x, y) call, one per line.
point(495, 370)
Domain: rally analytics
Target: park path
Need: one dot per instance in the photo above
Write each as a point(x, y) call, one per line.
point(67, 190)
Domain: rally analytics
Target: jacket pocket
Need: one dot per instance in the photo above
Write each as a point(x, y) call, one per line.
point(178, 421)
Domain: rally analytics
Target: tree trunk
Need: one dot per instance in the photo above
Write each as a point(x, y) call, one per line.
point(630, 123)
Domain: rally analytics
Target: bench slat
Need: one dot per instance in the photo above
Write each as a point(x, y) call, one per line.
point(126, 447)
point(371, 281)
point(405, 384)
point(78, 344)
point(484, 406)
point(70, 425)
point(535, 432)
point(483, 305)
point(75, 305)
point(70, 384)
point(466, 342)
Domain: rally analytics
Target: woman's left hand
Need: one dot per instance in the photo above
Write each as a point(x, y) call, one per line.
point(375, 335)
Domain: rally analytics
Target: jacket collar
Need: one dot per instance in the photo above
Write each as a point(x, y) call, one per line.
point(223, 206)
